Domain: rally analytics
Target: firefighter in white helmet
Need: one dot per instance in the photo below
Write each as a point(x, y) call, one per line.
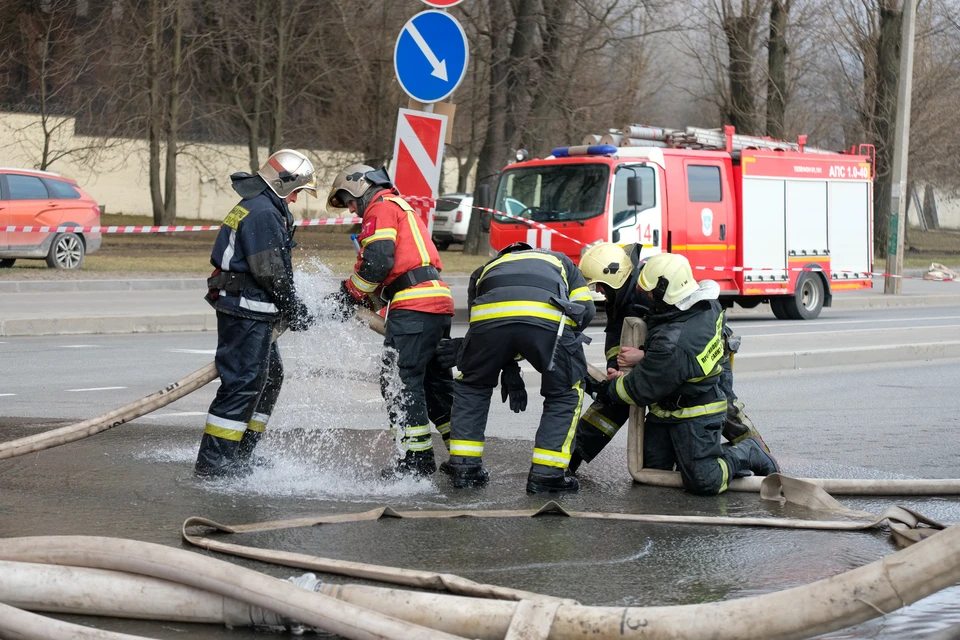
point(678, 380)
point(253, 292)
point(614, 271)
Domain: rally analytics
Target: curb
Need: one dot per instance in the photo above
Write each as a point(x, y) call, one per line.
point(106, 324)
point(786, 360)
point(47, 286)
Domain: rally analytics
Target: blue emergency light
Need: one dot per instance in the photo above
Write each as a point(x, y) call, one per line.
point(584, 150)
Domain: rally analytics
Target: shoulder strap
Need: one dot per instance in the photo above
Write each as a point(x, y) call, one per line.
point(403, 204)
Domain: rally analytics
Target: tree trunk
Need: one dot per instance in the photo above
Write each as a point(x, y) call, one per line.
point(739, 31)
point(155, 113)
point(173, 118)
point(546, 96)
point(279, 79)
point(777, 52)
point(520, 70)
point(253, 128)
point(885, 114)
point(494, 150)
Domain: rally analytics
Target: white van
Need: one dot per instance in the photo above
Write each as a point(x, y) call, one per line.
point(452, 219)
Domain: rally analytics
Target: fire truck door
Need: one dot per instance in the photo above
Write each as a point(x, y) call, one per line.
point(640, 223)
point(710, 241)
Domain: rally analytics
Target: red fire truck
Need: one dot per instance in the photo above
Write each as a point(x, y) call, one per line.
point(770, 221)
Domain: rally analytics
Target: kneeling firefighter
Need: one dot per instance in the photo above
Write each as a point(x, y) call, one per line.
point(532, 303)
point(253, 292)
point(399, 262)
point(678, 379)
point(614, 270)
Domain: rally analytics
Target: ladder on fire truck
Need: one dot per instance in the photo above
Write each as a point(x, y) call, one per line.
point(696, 138)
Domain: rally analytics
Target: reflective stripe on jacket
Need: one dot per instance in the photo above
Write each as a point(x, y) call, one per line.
point(393, 241)
point(678, 378)
point(517, 287)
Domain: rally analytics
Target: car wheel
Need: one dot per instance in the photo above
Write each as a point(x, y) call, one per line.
point(6, 263)
point(442, 246)
point(807, 301)
point(66, 252)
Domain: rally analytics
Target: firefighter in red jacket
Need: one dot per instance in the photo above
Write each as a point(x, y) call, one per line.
point(399, 262)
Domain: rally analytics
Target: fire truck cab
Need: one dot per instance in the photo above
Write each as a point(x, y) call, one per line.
point(771, 222)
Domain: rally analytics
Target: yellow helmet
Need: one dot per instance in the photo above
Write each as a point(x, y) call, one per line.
point(287, 171)
point(669, 277)
point(606, 262)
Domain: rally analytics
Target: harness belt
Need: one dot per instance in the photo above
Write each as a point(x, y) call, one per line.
point(409, 279)
point(231, 282)
point(525, 280)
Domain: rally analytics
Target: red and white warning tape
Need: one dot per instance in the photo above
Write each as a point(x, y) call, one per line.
point(423, 204)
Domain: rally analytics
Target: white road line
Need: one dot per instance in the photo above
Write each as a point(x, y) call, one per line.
point(846, 331)
point(177, 414)
point(78, 346)
point(819, 323)
point(98, 389)
point(4, 395)
point(206, 352)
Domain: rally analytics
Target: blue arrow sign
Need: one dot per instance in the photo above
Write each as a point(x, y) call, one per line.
point(431, 56)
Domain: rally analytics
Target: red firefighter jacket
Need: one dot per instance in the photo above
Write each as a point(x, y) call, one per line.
point(393, 241)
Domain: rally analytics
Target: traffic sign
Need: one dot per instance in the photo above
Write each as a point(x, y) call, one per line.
point(442, 4)
point(430, 57)
point(418, 156)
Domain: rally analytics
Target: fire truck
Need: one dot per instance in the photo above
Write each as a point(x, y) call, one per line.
point(772, 222)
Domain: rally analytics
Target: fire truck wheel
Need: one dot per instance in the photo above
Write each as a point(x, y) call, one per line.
point(807, 301)
point(779, 308)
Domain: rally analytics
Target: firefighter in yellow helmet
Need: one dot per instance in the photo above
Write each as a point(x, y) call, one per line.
point(252, 291)
point(614, 271)
point(678, 380)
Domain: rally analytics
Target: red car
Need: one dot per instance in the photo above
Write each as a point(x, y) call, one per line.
point(40, 198)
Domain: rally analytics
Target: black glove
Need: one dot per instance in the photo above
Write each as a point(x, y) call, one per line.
point(341, 304)
point(299, 318)
point(592, 387)
point(511, 385)
point(447, 352)
point(606, 392)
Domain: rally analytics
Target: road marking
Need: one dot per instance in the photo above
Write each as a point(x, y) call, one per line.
point(78, 346)
point(177, 414)
point(206, 352)
point(879, 330)
point(4, 395)
point(819, 323)
point(97, 389)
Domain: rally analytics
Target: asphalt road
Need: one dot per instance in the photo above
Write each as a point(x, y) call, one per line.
point(327, 441)
point(81, 375)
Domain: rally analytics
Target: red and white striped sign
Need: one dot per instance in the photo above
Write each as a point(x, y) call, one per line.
point(418, 156)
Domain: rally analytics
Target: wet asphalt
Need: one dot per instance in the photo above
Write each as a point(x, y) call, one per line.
point(327, 444)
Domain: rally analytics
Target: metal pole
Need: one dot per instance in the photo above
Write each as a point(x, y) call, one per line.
point(901, 148)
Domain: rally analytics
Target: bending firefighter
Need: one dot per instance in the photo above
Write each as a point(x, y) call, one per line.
point(614, 270)
point(399, 262)
point(532, 304)
point(678, 379)
point(253, 292)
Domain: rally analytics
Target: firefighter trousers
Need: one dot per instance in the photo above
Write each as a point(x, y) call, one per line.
point(416, 388)
point(693, 446)
point(251, 375)
point(482, 357)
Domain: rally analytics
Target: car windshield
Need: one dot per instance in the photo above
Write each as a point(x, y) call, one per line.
point(553, 193)
point(447, 203)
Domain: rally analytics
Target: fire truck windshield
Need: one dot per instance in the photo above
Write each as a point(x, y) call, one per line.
point(553, 193)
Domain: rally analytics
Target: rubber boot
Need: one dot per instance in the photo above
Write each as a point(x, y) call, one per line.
point(248, 443)
point(414, 463)
point(219, 457)
point(466, 472)
point(576, 459)
point(749, 454)
point(543, 479)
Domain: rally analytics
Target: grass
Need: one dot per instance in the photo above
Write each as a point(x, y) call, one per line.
point(923, 247)
point(187, 254)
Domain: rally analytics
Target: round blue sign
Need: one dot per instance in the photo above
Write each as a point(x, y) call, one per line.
point(431, 55)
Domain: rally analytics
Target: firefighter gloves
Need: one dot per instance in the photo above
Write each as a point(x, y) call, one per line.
point(447, 352)
point(512, 387)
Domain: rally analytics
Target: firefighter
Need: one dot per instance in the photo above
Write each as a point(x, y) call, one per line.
point(253, 293)
point(678, 379)
point(534, 304)
point(614, 271)
point(399, 262)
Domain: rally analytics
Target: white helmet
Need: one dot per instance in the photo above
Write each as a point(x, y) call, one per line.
point(287, 171)
point(353, 183)
point(668, 277)
point(606, 262)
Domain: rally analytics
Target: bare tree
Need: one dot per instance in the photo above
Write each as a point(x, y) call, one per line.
point(777, 52)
